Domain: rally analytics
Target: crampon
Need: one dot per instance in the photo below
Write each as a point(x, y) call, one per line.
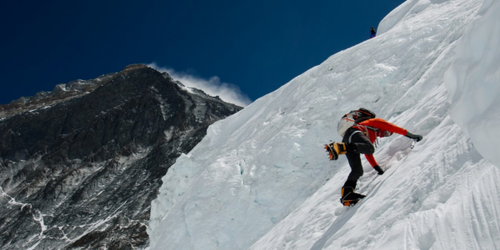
point(349, 203)
point(331, 154)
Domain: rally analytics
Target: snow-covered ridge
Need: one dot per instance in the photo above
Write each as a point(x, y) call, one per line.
point(261, 180)
point(60, 93)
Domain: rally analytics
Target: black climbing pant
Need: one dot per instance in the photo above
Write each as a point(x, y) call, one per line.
point(357, 144)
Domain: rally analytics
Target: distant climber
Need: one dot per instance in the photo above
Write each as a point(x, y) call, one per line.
point(359, 130)
point(373, 33)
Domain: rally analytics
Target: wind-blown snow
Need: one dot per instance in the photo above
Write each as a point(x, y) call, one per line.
point(213, 86)
point(261, 179)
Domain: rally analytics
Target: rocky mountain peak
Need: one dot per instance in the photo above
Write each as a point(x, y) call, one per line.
point(80, 165)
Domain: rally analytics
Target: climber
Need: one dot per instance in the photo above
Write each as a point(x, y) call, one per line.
point(359, 130)
point(373, 33)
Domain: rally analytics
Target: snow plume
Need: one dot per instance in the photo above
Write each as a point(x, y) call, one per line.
point(473, 82)
point(226, 91)
point(261, 179)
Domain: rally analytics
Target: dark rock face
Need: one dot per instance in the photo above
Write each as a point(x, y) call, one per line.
point(79, 170)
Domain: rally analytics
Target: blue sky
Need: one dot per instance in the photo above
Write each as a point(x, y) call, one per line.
point(256, 46)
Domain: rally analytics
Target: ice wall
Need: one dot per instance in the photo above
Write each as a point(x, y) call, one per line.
point(473, 82)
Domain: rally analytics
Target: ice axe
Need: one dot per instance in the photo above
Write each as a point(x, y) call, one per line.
point(413, 144)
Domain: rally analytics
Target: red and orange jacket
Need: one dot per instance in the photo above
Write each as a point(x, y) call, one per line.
point(377, 127)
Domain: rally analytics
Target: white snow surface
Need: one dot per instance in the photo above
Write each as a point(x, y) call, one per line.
point(261, 179)
point(473, 82)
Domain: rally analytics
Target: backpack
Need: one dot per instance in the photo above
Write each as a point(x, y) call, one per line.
point(352, 118)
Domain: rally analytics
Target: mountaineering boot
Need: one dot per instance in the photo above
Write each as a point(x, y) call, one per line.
point(350, 198)
point(335, 149)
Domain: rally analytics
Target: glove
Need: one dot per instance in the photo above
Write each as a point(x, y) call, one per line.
point(379, 170)
point(414, 137)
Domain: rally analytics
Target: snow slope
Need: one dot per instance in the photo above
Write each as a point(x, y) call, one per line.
point(261, 179)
